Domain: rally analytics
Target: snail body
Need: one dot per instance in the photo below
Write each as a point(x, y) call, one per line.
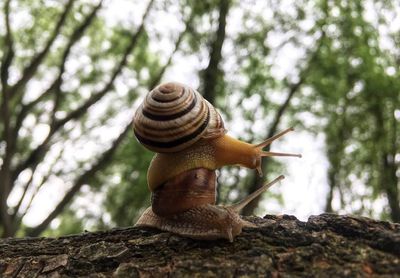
point(189, 189)
point(188, 135)
point(204, 221)
point(210, 154)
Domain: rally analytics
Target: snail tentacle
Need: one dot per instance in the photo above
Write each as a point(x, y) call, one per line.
point(261, 153)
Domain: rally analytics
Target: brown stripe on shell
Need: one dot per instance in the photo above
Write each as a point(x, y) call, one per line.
point(174, 116)
point(170, 92)
point(176, 145)
point(183, 122)
point(216, 125)
point(171, 130)
point(156, 107)
point(167, 117)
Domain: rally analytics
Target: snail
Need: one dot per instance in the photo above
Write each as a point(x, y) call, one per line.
point(189, 138)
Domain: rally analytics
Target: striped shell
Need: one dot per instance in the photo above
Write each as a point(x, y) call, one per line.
point(174, 116)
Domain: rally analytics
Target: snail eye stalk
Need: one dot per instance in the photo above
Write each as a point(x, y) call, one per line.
point(267, 142)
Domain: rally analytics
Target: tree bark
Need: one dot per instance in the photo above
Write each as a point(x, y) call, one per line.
point(327, 245)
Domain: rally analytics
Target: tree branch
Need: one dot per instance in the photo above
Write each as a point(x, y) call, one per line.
point(5, 182)
point(29, 183)
point(212, 73)
point(28, 72)
point(84, 178)
point(9, 49)
point(75, 37)
point(77, 113)
point(387, 173)
point(335, 148)
point(106, 157)
point(5, 100)
point(31, 69)
point(26, 187)
point(56, 85)
point(188, 25)
point(258, 181)
point(33, 195)
point(37, 154)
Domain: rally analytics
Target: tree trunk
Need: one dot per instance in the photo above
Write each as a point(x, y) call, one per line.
point(212, 74)
point(257, 181)
point(390, 183)
point(327, 245)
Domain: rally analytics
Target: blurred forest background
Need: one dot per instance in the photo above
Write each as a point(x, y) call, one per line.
point(72, 73)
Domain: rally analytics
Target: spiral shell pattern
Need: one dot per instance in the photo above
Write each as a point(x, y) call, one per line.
point(173, 116)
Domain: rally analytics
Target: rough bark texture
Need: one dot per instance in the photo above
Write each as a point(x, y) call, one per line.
point(325, 246)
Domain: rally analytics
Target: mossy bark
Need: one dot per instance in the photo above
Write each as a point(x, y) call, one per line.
point(327, 245)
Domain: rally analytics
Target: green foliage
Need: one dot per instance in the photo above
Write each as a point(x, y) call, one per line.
point(69, 224)
point(129, 195)
point(352, 80)
point(346, 79)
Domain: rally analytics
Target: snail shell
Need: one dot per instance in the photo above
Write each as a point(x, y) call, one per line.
point(174, 116)
point(192, 188)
